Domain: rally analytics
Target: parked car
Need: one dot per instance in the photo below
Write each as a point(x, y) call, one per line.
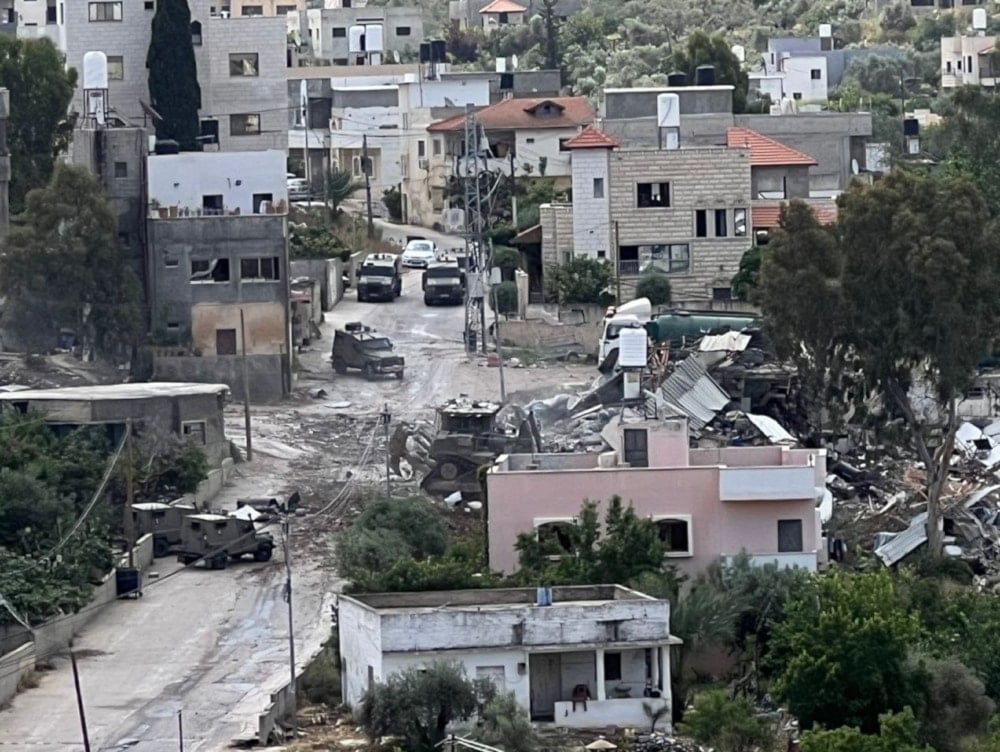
point(419, 253)
point(298, 189)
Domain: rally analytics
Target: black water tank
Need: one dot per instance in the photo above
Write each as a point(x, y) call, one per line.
point(677, 78)
point(210, 131)
point(425, 52)
point(704, 75)
point(438, 51)
point(506, 82)
point(911, 127)
point(167, 146)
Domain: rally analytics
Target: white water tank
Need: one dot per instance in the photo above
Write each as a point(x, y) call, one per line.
point(95, 70)
point(373, 38)
point(356, 39)
point(668, 111)
point(979, 19)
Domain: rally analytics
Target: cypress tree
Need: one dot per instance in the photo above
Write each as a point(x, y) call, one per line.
point(173, 74)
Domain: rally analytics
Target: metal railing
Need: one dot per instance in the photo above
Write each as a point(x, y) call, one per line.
point(628, 268)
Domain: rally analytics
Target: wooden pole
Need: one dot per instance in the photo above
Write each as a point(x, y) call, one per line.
point(367, 169)
point(79, 702)
point(246, 388)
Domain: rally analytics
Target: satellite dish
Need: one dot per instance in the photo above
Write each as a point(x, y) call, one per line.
point(855, 168)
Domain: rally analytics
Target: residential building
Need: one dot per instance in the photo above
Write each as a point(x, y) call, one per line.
point(705, 503)
point(243, 8)
point(358, 35)
point(581, 657)
point(515, 83)
point(969, 61)
point(368, 119)
point(241, 68)
point(803, 79)
point(217, 269)
point(784, 50)
point(189, 411)
point(501, 14)
point(33, 19)
point(467, 13)
point(522, 136)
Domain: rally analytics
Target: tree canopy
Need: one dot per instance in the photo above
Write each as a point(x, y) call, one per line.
point(580, 280)
point(41, 89)
point(173, 74)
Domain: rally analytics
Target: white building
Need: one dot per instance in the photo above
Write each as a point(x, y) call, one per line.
point(968, 61)
point(36, 19)
point(583, 657)
point(803, 78)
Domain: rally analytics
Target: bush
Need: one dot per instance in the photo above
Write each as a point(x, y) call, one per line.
point(727, 725)
point(320, 682)
point(506, 725)
point(580, 280)
point(393, 201)
point(654, 286)
point(956, 706)
point(506, 297)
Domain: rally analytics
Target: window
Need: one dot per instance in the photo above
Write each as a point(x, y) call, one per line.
point(209, 270)
point(243, 64)
point(259, 199)
point(260, 268)
point(196, 32)
point(598, 187)
point(700, 223)
point(503, 18)
point(116, 68)
point(106, 11)
point(402, 31)
point(529, 140)
point(421, 148)
point(121, 169)
point(170, 262)
point(149, 5)
point(722, 293)
point(212, 205)
point(636, 447)
point(556, 536)
point(771, 186)
point(436, 147)
point(675, 534)
point(339, 32)
point(562, 144)
point(194, 430)
point(50, 14)
point(678, 257)
point(739, 223)
point(816, 74)
point(721, 223)
point(797, 95)
point(225, 341)
point(283, 10)
point(789, 536)
point(245, 124)
point(612, 667)
point(252, 10)
point(649, 195)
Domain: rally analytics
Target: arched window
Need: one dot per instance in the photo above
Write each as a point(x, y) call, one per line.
point(196, 32)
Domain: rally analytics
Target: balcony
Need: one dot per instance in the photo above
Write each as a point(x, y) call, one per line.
point(628, 268)
point(767, 483)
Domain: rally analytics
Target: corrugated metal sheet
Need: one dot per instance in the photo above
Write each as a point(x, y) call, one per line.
point(771, 428)
point(905, 542)
point(725, 342)
point(690, 391)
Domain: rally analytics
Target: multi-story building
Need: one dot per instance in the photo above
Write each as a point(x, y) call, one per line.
point(217, 269)
point(359, 35)
point(501, 14)
point(706, 503)
point(243, 8)
point(803, 79)
point(241, 67)
point(584, 657)
point(969, 61)
point(468, 13)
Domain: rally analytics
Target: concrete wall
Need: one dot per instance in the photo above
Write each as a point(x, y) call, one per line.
point(15, 665)
point(557, 233)
point(360, 648)
point(794, 179)
point(182, 180)
point(265, 325)
point(326, 46)
point(328, 272)
point(270, 378)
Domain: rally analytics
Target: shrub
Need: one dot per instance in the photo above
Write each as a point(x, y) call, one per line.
point(320, 682)
point(506, 297)
point(727, 725)
point(654, 286)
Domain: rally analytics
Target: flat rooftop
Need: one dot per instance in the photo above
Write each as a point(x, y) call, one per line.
point(112, 392)
point(497, 598)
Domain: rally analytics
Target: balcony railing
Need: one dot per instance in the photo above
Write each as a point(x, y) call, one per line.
point(628, 268)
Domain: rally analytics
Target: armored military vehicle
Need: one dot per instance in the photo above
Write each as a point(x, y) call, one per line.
point(380, 278)
point(162, 521)
point(216, 538)
point(358, 346)
point(444, 282)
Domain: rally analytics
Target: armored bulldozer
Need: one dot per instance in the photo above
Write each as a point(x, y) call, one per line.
point(467, 436)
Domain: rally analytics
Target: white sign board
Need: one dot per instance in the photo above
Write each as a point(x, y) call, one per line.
point(632, 348)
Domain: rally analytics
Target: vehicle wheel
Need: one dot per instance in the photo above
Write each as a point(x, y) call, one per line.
point(399, 375)
point(160, 548)
point(339, 367)
point(262, 554)
point(219, 561)
point(369, 371)
point(362, 298)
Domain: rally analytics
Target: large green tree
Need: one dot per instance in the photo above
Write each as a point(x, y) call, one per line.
point(701, 49)
point(64, 267)
point(898, 733)
point(840, 653)
point(173, 74)
point(41, 89)
point(921, 268)
point(967, 143)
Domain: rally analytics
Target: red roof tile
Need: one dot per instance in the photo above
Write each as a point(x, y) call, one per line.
point(563, 112)
point(591, 137)
point(503, 6)
point(767, 214)
point(764, 151)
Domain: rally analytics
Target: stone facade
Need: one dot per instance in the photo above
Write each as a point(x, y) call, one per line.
point(712, 184)
point(327, 32)
point(591, 204)
point(557, 234)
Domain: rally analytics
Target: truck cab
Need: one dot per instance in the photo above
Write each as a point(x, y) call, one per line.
point(380, 277)
point(632, 315)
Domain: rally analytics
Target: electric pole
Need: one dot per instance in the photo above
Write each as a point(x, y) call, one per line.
point(473, 270)
point(513, 190)
point(79, 702)
point(385, 417)
point(366, 167)
point(129, 522)
point(481, 235)
point(292, 689)
point(246, 387)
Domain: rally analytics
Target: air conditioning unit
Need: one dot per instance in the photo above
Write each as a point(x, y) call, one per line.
point(423, 163)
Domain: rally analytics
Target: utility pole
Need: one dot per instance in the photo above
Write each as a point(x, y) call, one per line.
point(366, 167)
point(246, 388)
point(513, 190)
point(618, 269)
point(79, 702)
point(496, 331)
point(129, 496)
point(480, 237)
point(180, 730)
point(4, 163)
point(385, 417)
point(292, 689)
point(467, 170)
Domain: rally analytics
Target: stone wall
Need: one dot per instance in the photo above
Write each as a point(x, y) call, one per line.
point(269, 374)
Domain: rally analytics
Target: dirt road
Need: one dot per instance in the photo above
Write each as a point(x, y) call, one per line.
point(214, 644)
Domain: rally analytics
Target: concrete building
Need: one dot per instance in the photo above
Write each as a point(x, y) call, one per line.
point(242, 8)
point(803, 79)
point(34, 19)
point(467, 13)
point(825, 46)
point(369, 115)
point(241, 67)
point(969, 61)
point(189, 411)
point(217, 269)
point(580, 657)
point(706, 503)
point(501, 14)
point(358, 35)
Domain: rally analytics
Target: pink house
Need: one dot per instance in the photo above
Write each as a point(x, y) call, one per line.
point(707, 503)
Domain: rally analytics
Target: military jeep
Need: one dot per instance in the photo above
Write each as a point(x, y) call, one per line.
point(360, 347)
point(216, 538)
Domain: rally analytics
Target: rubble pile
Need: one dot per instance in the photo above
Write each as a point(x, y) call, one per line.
point(662, 743)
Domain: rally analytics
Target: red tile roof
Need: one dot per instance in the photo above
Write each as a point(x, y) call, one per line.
point(764, 151)
point(503, 6)
point(592, 137)
point(570, 112)
point(766, 214)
